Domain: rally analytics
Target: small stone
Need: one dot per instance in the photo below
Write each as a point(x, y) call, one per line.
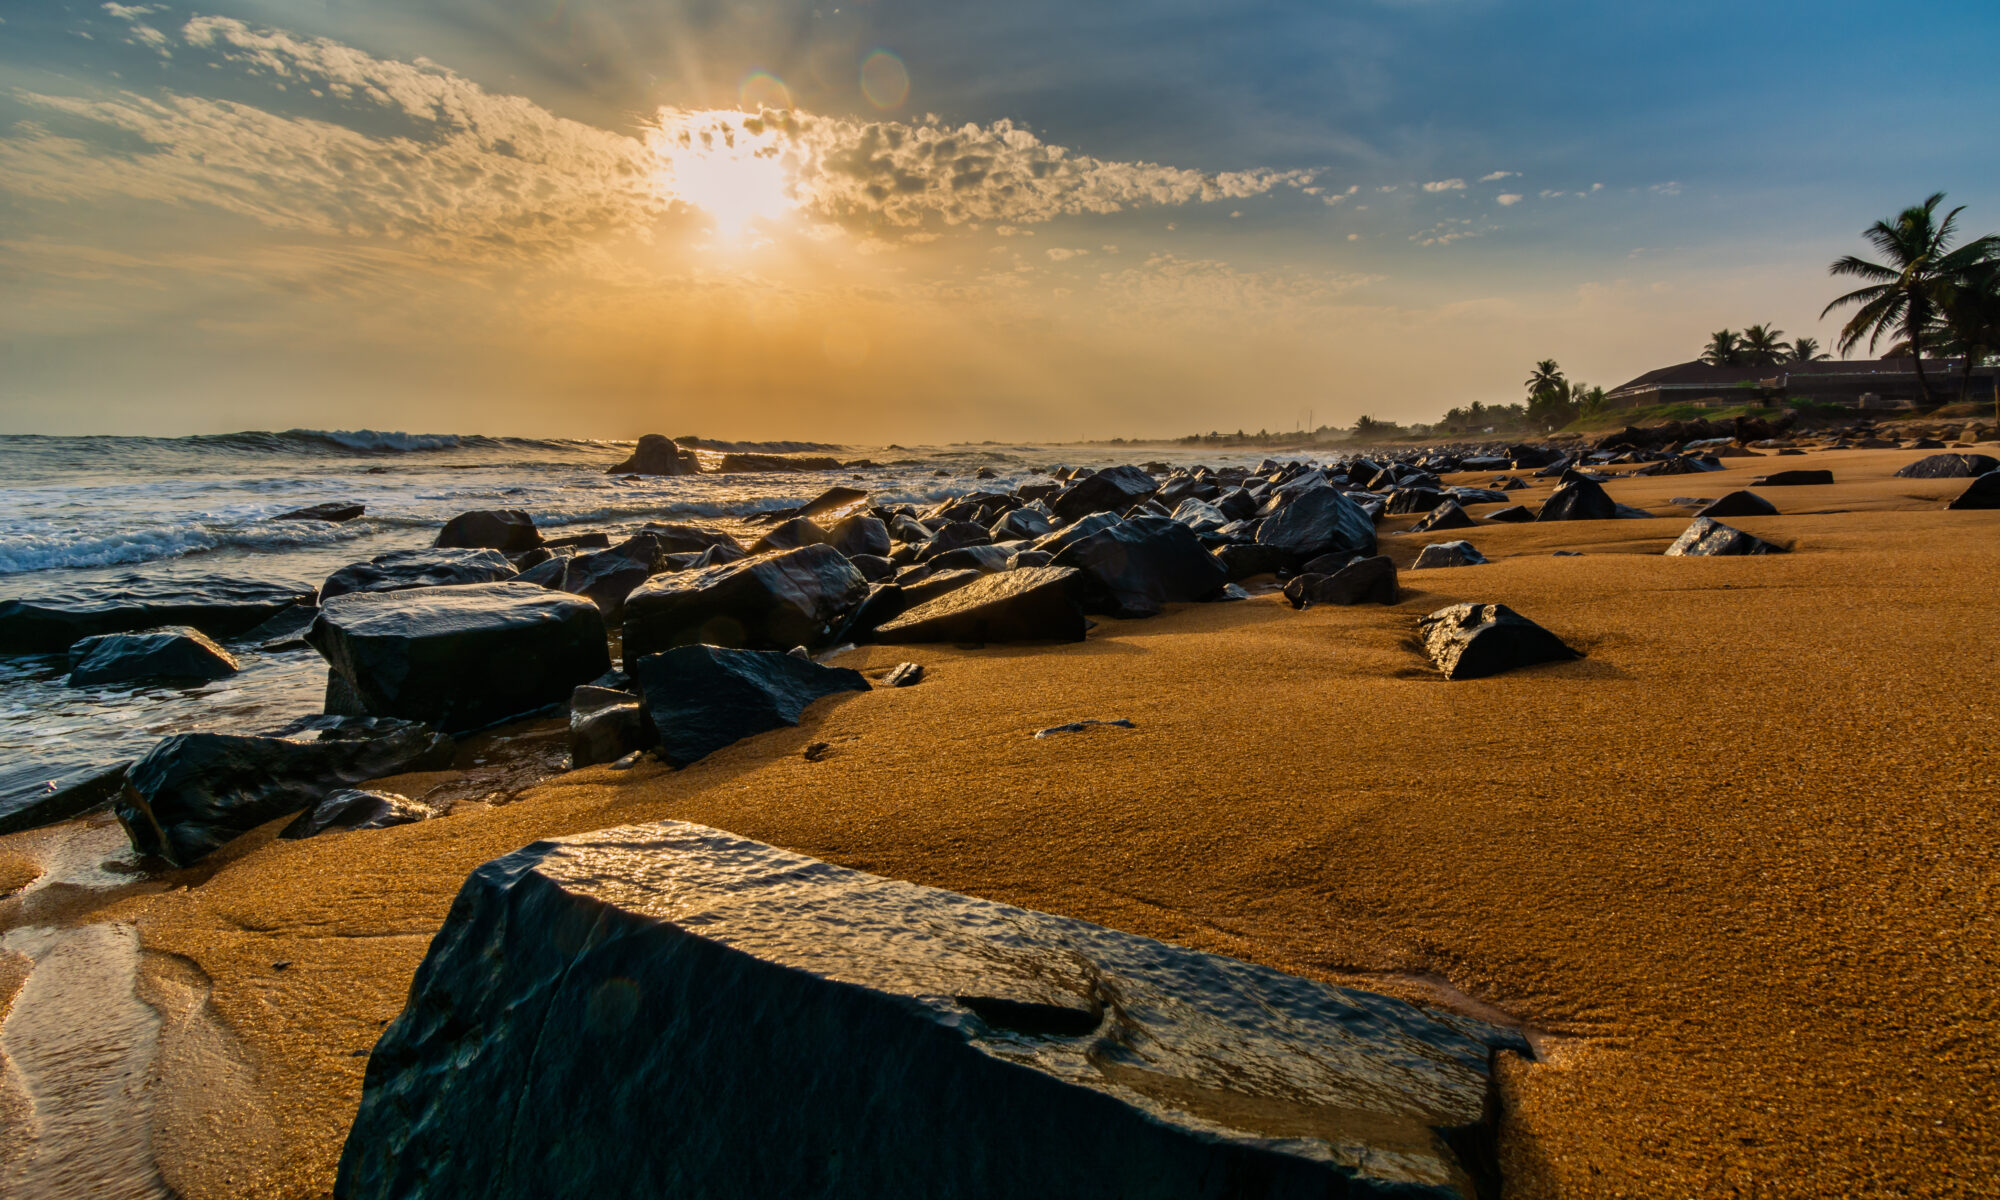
point(1447, 554)
point(904, 675)
point(1469, 641)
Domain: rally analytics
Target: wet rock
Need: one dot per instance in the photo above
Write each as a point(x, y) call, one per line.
point(353, 808)
point(193, 792)
point(685, 1012)
point(906, 528)
point(508, 530)
point(1319, 520)
point(1708, 538)
point(1030, 605)
point(1981, 493)
point(860, 535)
point(677, 537)
point(1950, 466)
point(1021, 524)
point(1404, 501)
point(973, 558)
point(1200, 515)
point(698, 699)
point(904, 675)
point(831, 505)
point(1580, 498)
point(872, 568)
point(608, 576)
point(1113, 489)
point(461, 658)
point(1447, 554)
point(1132, 568)
point(1469, 641)
point(1445, 516)
point(741, 464)
point(551, 574)
point(1739, 504)
point(799, 531)
point(169, 652)
point(220, 608)
point(954, 536)
point(1030, 558)
point(604, 725)
point(596, 540)
point(1362, 581)
point(335, 511)
point(774, 602)
point(1076, 531)
point(1512, 515)
point(71, 796)
point(657, 454)
point(402, 569)
point(1247, 560)
point(1795, 479)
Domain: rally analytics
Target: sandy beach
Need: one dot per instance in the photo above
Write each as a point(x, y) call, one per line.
point(1733, 870)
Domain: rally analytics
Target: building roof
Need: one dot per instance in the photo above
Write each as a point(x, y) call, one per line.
point(1691, 375)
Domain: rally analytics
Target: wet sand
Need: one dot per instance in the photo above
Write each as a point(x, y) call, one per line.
point(1736, 866)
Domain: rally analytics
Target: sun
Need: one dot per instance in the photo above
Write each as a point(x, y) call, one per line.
point(731, 165)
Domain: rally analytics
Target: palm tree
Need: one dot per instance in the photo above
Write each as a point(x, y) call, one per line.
point(1805, 350)
point(1547, 377)
point(1969, 323)
point(1762, 346)
point(1723, 350)
point(1903, 297)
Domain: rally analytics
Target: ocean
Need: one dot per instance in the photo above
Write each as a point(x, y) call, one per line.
point(83, 510)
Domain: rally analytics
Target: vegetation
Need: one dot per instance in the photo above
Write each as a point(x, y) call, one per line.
point(1757, 346)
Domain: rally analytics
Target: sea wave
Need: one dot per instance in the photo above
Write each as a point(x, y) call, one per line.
point(24, 552)
point(371, 441)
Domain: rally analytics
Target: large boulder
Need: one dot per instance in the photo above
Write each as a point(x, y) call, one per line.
point(1404, 501)
point(357, 808)
point(657, 454)
point(220, 608)
point(954, 536)
point(1076, 531)
point(790, 535)
point(193, 792)
point(1447, 554)
point(1020, 524)
point(1034, 604)
point(699, 699)
point(1950, 466)
point(772, 602)
point(461, 658)
point(1113, 489)
point(400, 569)
point(1468, 641)
point(1708, 538)
point(605, 725)
point(1363, 581)
point(1983, 492)
point(1132, 568)
point(861, 535)
point(677, 537)
point(1319, 520)
point(1580, 498)
point(608, 576)
point(1739, 504)
point(333, 511)
point(170, 652)
point(672, 1010)
point(508, 530)
point(1448, 515)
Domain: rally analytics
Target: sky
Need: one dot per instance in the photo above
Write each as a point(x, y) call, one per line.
point(918, 221)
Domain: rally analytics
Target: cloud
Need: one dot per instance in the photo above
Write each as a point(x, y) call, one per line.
point(1670, 188)
point(1508, 199)
point(1445, 185)
point(1497, 176)
point(1444, 233)
point(1064, 254)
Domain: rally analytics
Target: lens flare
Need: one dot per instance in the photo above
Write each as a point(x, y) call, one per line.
point(761, 90)
point(884, 80)
point(731, 165)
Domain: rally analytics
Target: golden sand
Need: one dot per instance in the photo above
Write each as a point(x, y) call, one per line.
point(1738, 862)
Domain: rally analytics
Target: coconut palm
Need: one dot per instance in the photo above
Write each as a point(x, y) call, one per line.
point(1968, 323)
point(1762, 346)
point(1905, 291)
point(1723, 349)
point(1547, 377)
point(1805, 350)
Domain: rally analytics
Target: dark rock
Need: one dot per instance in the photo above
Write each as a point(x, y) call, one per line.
point(1404, 501)
point(1030, 605)
point(1447, 554)
point(1030, 558)
point(1711, 538)
point(508, 530)
point(461, 658)
point(551, 574)
point(860, 534)
point(579, 541)
point(1626, 512)
point(353, 808)
point(683, 1012)
point(1579, 499)
point(88, 790)
point(170, 652)
point(1113, 489)
point(973, 558)
point(1739, 504)
point(836, 502)
point(1363, 581)
point(657, 454)
point(195, 791)
point(1020, 524)
point(1795, 479)
point(605, 725)
point(1679, 464)
point(1076, 531)
point(872, 568)
point(220, 608)
point(1081, 726)
point(1319, 520)
point(679, 538)
point(1200, 515)
point(401, 569)
point(1981, 493)
point(954, 536)
point(1526, 457)
point(737, 464)
point(799, 531)
point(1509, 483)
point(906, 528)
point(1246, 560)
point(608, 576)
point(1511, 515)
point(1950, 466)
point(699, 699)
point(904, 675)
point(1445, 516)
point(773, 602)
point(1468, 641)
point(1130, 569)
point(335, 511)
point(284, 631)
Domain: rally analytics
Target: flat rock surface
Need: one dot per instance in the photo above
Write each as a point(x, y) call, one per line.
point(928, 1043)
point(1031, 604)
point(220, 608)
